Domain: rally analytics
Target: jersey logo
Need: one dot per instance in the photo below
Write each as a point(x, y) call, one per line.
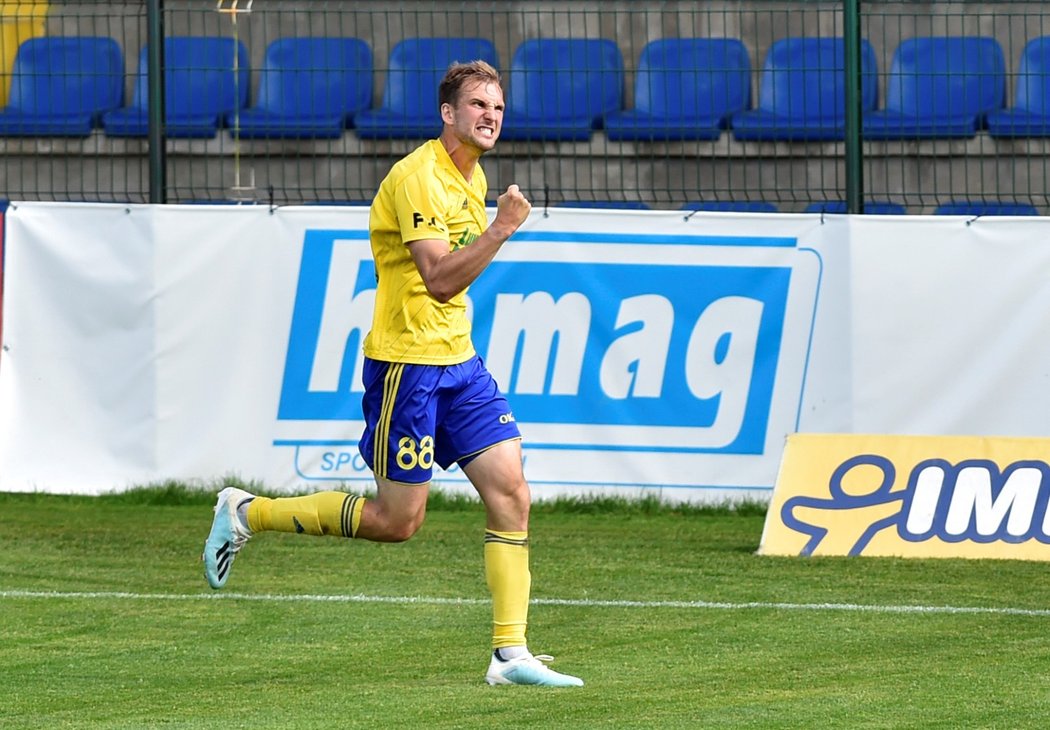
point(418, 219)
point(467, 238)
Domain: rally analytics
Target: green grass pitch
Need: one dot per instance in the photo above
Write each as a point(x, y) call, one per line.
point(667, 614)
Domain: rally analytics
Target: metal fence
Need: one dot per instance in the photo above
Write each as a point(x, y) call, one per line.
point(785, 165)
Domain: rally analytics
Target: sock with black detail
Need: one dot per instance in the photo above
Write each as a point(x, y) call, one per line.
point(242, 512)
point(506, 653)
point(322, 513)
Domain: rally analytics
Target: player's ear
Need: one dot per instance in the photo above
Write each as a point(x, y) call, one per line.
point(446, 113)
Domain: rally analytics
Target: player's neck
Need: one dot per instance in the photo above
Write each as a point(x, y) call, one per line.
point(464, 156)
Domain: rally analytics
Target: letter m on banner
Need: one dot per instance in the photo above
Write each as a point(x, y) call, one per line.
point(332, 314)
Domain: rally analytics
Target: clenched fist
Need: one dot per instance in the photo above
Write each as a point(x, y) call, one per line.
point(512, 208)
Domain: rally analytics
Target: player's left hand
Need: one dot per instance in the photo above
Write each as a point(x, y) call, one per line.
point(512, 208)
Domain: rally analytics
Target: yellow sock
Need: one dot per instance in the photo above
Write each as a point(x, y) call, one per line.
point(323, 513)
point(509, 580)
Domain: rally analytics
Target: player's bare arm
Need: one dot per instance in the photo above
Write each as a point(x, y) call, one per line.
point(446, 273)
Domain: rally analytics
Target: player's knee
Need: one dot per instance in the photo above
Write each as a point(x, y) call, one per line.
point(400, 525)
point(509, 507)
point(520, 497)
point(401, 531)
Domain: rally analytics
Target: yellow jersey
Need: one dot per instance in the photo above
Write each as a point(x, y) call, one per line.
point(423, 196)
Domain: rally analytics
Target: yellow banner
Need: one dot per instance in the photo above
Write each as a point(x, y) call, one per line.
point(911, 496)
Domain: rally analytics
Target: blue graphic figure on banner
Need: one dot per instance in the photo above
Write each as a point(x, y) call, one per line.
point(865, 504)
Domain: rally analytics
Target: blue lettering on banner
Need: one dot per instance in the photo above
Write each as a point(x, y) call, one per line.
point(972, 501)
point(639, 345)
point(334, 398)
point(334, 461)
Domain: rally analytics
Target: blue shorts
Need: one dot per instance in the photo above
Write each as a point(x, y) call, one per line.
point(419, 415)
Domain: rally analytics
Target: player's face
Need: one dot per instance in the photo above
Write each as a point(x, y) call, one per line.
point(477, 117)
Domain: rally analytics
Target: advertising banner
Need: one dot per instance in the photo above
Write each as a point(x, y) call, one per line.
point(661, 353)
point(643, 352)
point(911, 496)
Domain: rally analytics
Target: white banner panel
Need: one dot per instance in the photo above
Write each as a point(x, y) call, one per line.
point(77, 373)
point(643, 352)
point(952, 317)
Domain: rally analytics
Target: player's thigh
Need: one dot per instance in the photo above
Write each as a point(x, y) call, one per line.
point(401, 503)
point(499, 479)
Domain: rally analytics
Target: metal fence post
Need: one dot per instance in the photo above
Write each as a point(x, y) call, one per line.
point(157, 146)
point(854, 153)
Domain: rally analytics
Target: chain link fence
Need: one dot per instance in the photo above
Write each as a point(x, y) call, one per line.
point(783, 166)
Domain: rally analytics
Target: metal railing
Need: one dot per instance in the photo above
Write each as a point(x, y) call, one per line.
point(917, 173)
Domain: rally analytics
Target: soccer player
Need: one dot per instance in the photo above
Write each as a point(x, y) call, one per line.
point(428, 397)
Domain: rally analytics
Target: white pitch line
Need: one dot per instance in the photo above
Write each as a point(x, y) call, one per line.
point(571, 602)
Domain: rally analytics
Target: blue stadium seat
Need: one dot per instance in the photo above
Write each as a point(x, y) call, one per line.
point(409, 109)
point(608, 204)
point(802, 94)
point(685, 88)
point(940, 87)
point(870, 207)
point(309, 88)
point(731, 206)
point(61, 85)
point(1030, 114)
point(562, 88)
point(981, 207)
point(200, 87)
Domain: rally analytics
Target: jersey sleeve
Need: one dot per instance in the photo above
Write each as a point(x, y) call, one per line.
point(419, 206)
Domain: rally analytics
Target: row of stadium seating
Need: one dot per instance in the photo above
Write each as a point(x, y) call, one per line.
point(558, 89)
